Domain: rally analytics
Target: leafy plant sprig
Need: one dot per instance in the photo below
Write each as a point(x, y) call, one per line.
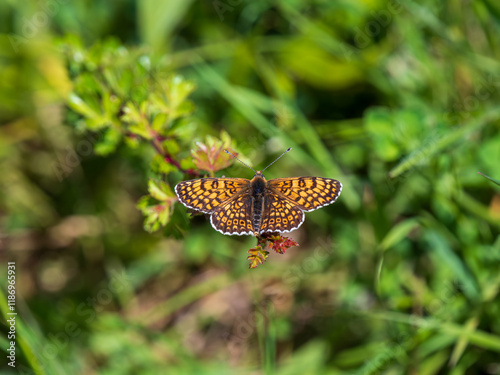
point(277, 242)
point(125, 96)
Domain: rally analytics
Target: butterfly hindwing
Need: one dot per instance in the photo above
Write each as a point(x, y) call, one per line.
point(234, 217)
point(308, 193)
point(208, 194)
point(280, 215)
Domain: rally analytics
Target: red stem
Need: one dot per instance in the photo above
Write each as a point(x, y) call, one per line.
point(169, 159)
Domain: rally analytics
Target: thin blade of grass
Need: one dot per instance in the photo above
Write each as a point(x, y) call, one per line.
point(25, 340)
point(476, 208)
point(441, 249)
point(398, 233)
point(393, 237)
point(157, 19)
point(497, 182)
point(461, 345)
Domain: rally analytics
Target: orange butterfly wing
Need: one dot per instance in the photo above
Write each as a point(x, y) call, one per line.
point(307, 193)
point(208, 194)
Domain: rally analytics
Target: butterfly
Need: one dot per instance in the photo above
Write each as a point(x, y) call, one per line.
point(238, 206)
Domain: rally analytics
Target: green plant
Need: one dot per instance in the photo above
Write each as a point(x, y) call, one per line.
point(124, 97)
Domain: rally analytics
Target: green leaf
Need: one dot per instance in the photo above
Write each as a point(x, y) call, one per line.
point(178, 89)
point(109, 142)
point(398, 233)
point(78, 105)
point(151, 224)
point(111, 106)
point(160, 123)
point(257, 256)
point(171, 146)
point(160, 190)
point(137, 120)
point(156, 215)
point(159, 165)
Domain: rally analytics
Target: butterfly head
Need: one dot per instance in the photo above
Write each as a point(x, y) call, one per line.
point(259, 174)
point(258, 184)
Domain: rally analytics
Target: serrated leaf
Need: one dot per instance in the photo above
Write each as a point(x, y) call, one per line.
point(280, 243)
point(159, 165)
point(171, 146)
point(140, 129)
point(187, 163)
point(160, 190)
point(144, 202)
point(183, 110)
point(111, 106)
point(78, 105)
point(151, 223)
point(132, 141)
point(131, 113)
point(163, 217)
point(210, 156)
point(160, 123)
point(255, 261)
point(178, 90)
point(157, 215)
point(174, 101)
point(257, 256)
point(109, 141)
point(138, 122)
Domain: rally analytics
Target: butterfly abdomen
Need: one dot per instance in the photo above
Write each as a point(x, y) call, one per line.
point(258, 187)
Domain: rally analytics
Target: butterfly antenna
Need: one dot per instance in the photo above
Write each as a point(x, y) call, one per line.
point(288, 149)
point(234, 156)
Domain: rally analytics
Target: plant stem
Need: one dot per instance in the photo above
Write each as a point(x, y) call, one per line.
point(169, 159)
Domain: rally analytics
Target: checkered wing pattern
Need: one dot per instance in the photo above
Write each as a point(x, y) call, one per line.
point(234, 217)
point(280, 215)
point(209, 194)
point(308, 193)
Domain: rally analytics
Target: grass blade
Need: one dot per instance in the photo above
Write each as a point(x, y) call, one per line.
point(491, 179)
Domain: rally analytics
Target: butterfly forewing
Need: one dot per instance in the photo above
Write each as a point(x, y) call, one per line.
point(208, 194)
point(308, 193)
point(280, 215)
point(234, 216)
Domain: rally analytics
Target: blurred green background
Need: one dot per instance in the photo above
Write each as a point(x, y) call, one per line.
point(396, 99)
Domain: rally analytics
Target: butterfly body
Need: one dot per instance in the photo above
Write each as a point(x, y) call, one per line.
point(238, 206)
point(258, 185)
